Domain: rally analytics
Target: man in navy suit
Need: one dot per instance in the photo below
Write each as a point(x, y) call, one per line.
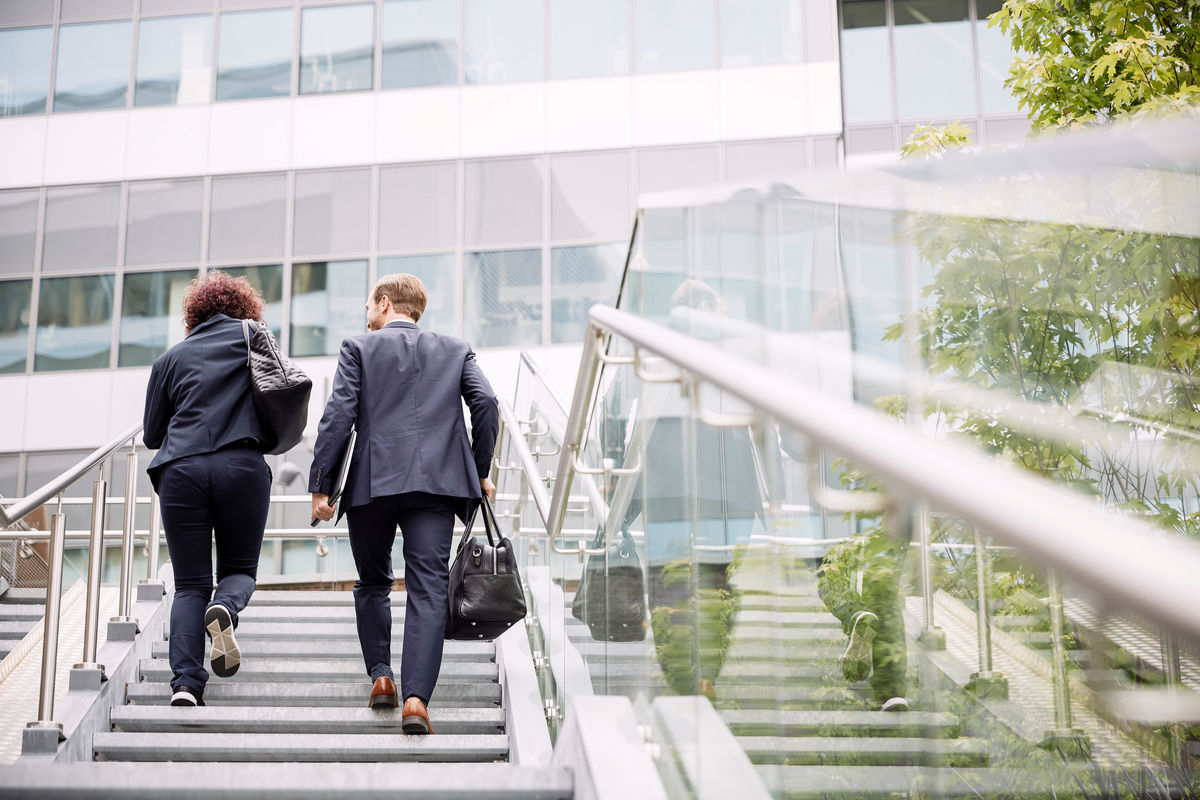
point(413, 466)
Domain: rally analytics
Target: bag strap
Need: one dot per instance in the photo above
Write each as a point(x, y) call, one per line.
point(246, 335)
point(466, 534)
point(489, 522)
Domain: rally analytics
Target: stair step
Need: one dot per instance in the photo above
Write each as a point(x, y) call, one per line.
point(153, 719)
point(15, 630)
point(883, 751)
point(329, 631)
point(796, 782)
point(20, 612)
point(219, 692)
point(324, 670)
point(791, 697)
point(225, 747)
point(639, 652)
point(1012, 622)
point(789, 618)
point(314, 648)
point(317, 597)
point(921, 724)
point(306, 613)
point(23, 595)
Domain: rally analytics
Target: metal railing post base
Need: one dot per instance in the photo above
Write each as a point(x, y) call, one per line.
point(150, 591)
point(1070, 743)
point(932, 639)
point(123, 629)
point(87, 677)
point(41, 738)
point(988, 685)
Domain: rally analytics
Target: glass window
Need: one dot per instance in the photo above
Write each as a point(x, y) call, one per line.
point(327, 305)
point(81, 228)
point(995, 57)
point(760, 32)
point(74, 323)
point(504, 201)
point(436, 271)
point(580, 277)
point(758, 160)
point(505, 41)
point(866, 61)
point(675, 35)
point(588, 38)
point(24, 71)
point(151, 315)
point(333, 212)
point(420, 43)
point(254, 56)
point(247, 217)
point(14, 324)
point(677, 168)
point(164, 222)
point(26, 12)
point(9, 474)
point(18, 231)
point(502, 298)
point(268, 280)
point(174, 62)
point(590, 197)
point(337, 49)
point(417, 207)
point(935, 73)
point(93, 66)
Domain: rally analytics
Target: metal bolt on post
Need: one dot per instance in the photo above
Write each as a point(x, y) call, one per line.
point(45, 720)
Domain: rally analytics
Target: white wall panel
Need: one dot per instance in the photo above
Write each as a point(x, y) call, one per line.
point(418, 125)
point(86, 147)
point(676, 107)
point(251, 136)
point(503, 120)
point(328, 130)
point(22, 151)
point(590, 114)
point(128, 401)
point(14, 390)
point(168, 141)
point(69, 410)
point(764, 102)
point(825, 97)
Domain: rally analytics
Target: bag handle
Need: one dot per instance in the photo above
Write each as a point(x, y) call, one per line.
point(246, 335)
point(489, 524)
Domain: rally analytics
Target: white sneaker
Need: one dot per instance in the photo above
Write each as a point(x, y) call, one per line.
point(185, 697)
point(225, 657)
point(895, 704)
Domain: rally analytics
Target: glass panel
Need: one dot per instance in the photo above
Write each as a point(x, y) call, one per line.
point(764, 160)
point(934, 69)
point(327, 305)
point(254, 56)
point(504, 201)
point(151, 315)
point(580, 277)
point(337, 49)
point(675, 35)
point(81, 228)
point(40, 469)
point(74, 323)
point(174, 64)
point(502, 294)
point(268, 280)
point(588, 39)
point(760, 32)
point(248, 215)
point(995, 57)
point(505, 41)
point(420, 43)
point(677, 168)
point(866, 62)
point(93, 66)
point(14, 324)
point(333, 212)
point(164, 222)
point(590, 196)
point(24, 71)
point(15, 13)
point(436, 271)
point(18, 230)
point(9, 475)
point(417, 207)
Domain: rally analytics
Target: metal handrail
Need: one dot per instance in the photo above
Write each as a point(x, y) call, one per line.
point(541, 500)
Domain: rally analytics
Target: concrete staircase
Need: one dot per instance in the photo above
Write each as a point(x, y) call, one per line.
point(20, 611)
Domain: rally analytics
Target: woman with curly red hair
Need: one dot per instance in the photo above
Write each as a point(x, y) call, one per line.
point(212, 480)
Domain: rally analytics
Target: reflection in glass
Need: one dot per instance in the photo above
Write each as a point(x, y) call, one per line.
point(420, 43)
point(81, 228)
point(866, 62)
point(337, 49)
point(327, 305)
point(164, 222)
point(588, 39)
point(675, 35)
point(247, 217)
point(74, 323)
point(151, 315)
point(417, 208)
point(333, 212)
point(580, 277)
point(14, 324)
point(503, 201)
point(760, 32)
point(436, 271)
point(93, 66)
point(254, 56)
point(268, 280)
point(24, 71)
point(174, 63)
point(590, 196)
point(504, 41)
point(995, 57)
point(18, 230)
point(502, 298)
point(935, 75)
point(677, 168)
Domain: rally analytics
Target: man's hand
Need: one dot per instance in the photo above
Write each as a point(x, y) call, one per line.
point(488, 487)
point(321, 508)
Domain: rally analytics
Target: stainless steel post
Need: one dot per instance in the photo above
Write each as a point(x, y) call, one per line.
point(124, 603)
point(154, 541)
point(924, 538)
point(1062, 692)
point(91, 620)
point(1172, 673)
point(982, 617)
point(58, 531)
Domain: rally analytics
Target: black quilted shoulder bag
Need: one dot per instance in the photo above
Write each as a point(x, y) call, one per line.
point(280, 389)
point(486, 595)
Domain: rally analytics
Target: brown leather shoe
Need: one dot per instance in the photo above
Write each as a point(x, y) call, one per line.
point(383, 693)
point(416, 717)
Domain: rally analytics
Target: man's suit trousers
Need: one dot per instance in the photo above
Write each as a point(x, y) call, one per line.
point(427, 525)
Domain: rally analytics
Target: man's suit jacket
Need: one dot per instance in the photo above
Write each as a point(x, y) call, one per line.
point(403, 388)
point(198, 396)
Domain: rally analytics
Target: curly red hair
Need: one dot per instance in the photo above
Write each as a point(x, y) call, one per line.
point(220, 293)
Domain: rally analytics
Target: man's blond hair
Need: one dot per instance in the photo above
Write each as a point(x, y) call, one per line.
point(406, 292)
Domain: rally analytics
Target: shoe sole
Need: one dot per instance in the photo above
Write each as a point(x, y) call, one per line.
point(382, 701)
point(415, 726)
point(184, 699)
point(856, 659)
point(225, 657)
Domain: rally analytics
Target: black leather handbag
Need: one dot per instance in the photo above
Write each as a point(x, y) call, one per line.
point(280, 389)
point(611, 599)
point(486, 595)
